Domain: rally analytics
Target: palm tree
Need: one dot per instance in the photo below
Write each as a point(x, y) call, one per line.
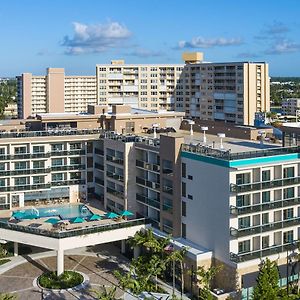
point(105, 293)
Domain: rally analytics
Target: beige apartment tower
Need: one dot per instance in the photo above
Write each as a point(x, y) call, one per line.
point(54, 93)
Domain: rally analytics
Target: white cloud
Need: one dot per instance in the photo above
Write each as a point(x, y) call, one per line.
point(95, 38)
point(200, 42)
point(141, 52)
point(283, 47)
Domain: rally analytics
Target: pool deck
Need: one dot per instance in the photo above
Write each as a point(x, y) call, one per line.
point(63, 225)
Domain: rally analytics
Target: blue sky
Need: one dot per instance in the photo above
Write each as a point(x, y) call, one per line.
point(77, 34)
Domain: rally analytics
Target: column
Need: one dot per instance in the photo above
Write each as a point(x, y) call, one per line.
point(60, 262)
point(123, 246)
point(136, 252)
point(16, 249)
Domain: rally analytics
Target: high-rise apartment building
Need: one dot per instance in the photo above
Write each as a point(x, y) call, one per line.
point(54, 93)
point(290, 106)
point(231, 92)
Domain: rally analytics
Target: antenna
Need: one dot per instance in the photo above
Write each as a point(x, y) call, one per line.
point(204, 128)
point(221, 136)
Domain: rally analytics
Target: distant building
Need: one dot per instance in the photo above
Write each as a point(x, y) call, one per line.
point(290, 106)
point(11, 110)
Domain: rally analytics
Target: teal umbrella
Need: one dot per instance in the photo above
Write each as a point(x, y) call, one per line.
point(95, 217)
point(52, 221)
point(126, 213)
point(77, 220)
point(18, 215)
point(111, 215)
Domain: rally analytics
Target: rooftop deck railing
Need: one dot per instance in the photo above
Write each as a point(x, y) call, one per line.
point(74, 232)
point(227, 155)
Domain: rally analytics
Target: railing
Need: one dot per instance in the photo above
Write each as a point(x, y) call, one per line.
point(25, 171)
point(150, 201)
point(145, 182)
point(74, 232)
point(114, 159)
point(68, 167)
point(25, 187)
point(68, 182)
point(99, 151)
point(240, 188)
point(167, 189)
point(226, 155)
point(99, 166)
point(241, 257)
point(264, 228)
point(167, 171)
point(148, 166)
point(60, 132)
point(115, 176)
point(116, 193)
point(263, 206)
point(99, 180)
point(70, 152)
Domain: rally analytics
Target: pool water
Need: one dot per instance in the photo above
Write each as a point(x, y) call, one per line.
point(64, 212)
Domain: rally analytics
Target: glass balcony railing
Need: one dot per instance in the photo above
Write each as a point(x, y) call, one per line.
point(68, 152)
point(114, 192)
point(168, 189)
point(115, 176)
point(68, 182)
point(99, 181)
point(148, 166)
point(114, 159)
point(99, 166)
point(68, 167)
point(150, 201)
point(263, 206)
point(147, 183)
point(264, 228)
point(25, 172)
point(99, 151)
point(75, 232)
point(25, 187)
point(241, 188)
point(241, 257)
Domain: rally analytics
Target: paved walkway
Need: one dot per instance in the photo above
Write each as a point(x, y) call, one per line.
point(97, 263)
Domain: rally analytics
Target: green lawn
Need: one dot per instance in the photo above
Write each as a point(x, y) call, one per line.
point(4, 261)
point(66, 280)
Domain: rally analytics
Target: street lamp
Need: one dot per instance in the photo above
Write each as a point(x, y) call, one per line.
point(221, 136)
point(204, 128)
point(191, 123)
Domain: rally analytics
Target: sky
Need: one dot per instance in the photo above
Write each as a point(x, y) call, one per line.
point(78, 34)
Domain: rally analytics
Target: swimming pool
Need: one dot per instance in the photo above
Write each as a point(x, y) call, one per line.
point(64, 212)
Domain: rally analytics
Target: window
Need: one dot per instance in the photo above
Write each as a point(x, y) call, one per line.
point(57, 177)
point(265, 242)
point(243, 200)
point(57, 147)
point(288, 193)
point(2, 166)
point(190, 197)
point(244, 222)
point(167, 166)
point(38, 179)
point(265, 196)
point(75, 175)
point(183, 170)
point(183, 209)
point(57, 162)
point(288, 172)
point(168, 205)
point(2, 182)
point(288, 237)
point(75, 161)
point(38, 164)
point(38, 149)
point(183, 230)
point(183, 189)
point(20, 165)
point(75, 146)
point(243, 178)
point(190, 177)
point(244, 246)
point(266, 175)
point(21, 180)
point(167, 226)
point(265, 218)
point(288, 214)
point(20, 150)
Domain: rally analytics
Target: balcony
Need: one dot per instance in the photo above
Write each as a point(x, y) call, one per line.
point(241, 257)
point(167, 189)
point(116, 193)
point(147, 183)
point(68, 182)
point(68, 167)
point(114, 159)
point(99, 166)
point(167, 171)
point(241, 188)
point(147, 166)
point(99, 151)
point(99, 181)
point(264, 228)
point(25, 172)
point(67, 153)
point(263, 206)
point(150, 201)
point(24, 187)
point(115, 176)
